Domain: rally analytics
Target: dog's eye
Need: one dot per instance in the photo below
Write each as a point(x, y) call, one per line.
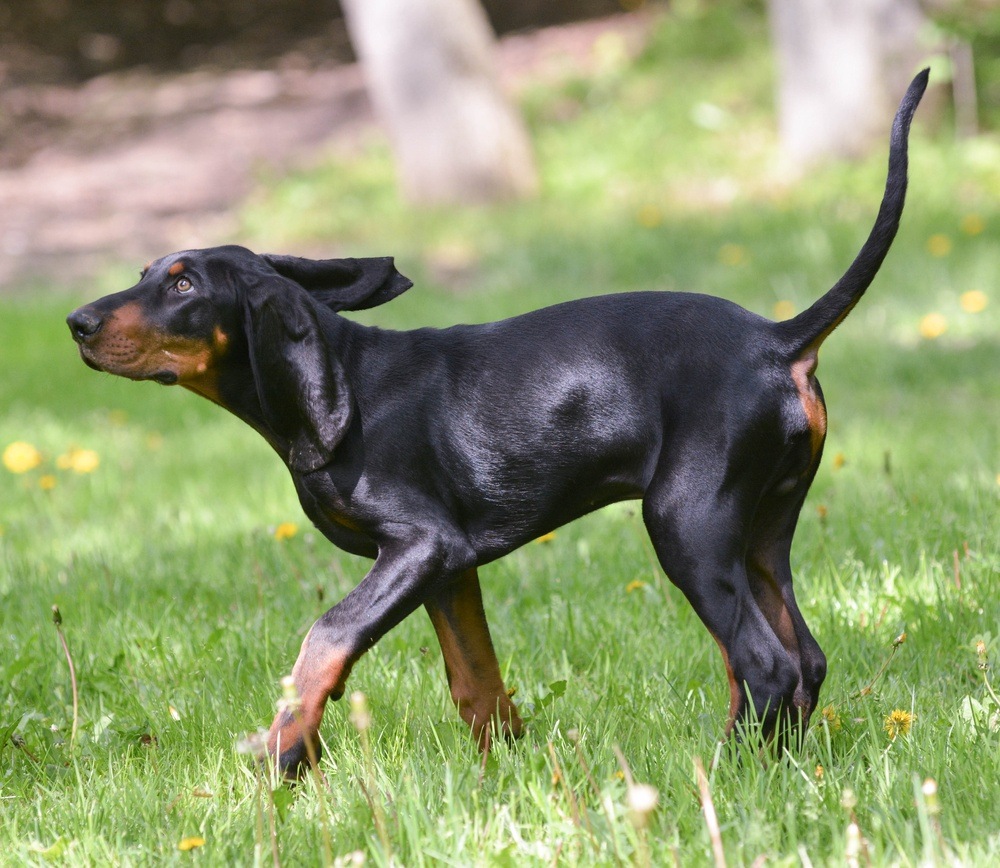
point(183, 285)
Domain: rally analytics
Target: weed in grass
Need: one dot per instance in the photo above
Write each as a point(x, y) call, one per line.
point(711, 818)
point(254, 744)
point(291, 703)
point(57, 620)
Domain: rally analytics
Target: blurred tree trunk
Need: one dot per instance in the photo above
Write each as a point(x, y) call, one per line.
point(431, 75)
point(842, 67)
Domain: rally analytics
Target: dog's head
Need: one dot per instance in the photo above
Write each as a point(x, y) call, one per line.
point(193, 313)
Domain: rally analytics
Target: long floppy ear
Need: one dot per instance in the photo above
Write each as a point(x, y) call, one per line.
point(343, 284)
point(301, 387)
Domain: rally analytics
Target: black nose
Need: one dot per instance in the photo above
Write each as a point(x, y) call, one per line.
point(83, 324)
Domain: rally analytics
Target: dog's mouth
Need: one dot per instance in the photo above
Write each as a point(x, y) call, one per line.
point(87, 360)
point(164, 377)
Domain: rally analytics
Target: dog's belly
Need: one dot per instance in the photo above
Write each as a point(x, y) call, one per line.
point(570, 447)
point(495, 530)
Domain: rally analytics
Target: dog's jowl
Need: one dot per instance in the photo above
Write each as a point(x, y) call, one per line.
point(436, 451)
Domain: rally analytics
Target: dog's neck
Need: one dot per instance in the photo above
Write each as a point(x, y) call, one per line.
point(234, 390)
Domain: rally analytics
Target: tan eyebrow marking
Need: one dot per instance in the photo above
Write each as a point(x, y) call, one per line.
point(175, 269)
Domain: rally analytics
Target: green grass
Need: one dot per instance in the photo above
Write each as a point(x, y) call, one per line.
point(182, 611)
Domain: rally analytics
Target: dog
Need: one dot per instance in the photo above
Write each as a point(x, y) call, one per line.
point(437, 451)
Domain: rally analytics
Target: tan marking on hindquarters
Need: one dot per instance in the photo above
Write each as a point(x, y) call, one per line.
point(320, 673)
point(471, 663)
point(803, 370)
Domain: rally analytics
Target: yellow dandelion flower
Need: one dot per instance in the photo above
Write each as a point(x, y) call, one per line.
point(79, 460)
point(47, 482)
point(649, 216)
point(898, 723)
point(784, 310)
point(820, 771)
point(634, 585)
point(84, 461)
point(20, 457)
point(939, 245)
point(933, 326)
point(546, 537)
point(191, 843)
point(822, 512)
point(839, 461)
point(831, 718)
point(733, 255)
point(972, 224)
point(973, 301)
point(286, 530)
point(981, 648)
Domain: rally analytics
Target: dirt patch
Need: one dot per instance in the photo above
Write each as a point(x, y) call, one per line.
point(132, 165)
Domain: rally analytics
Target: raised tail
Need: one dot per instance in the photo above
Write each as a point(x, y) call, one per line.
point(810, 328)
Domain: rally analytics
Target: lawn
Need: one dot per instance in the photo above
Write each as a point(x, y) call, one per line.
point(169, 536)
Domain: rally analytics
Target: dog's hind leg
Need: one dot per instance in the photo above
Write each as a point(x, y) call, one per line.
point(470, 662)
point(770, 575)
point(699, 530)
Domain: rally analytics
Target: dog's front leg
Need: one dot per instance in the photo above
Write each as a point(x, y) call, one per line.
point(401, 579)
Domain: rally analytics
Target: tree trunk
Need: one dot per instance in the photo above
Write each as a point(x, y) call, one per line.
point(842, 67)
point(430, 71)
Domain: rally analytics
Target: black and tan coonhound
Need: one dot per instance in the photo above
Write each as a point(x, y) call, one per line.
point(437, 451)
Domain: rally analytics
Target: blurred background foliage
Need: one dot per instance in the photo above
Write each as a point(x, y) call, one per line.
point(61, 39)
point(82, 39)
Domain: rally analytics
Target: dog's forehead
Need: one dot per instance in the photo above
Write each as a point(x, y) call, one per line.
point(196, 261)
point(170, 265)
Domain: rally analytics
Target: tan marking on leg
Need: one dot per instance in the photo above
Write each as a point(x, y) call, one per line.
point(735, 693)
point(471, 663)
point(772, 605)
point(775, 610)
point(320, 673)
